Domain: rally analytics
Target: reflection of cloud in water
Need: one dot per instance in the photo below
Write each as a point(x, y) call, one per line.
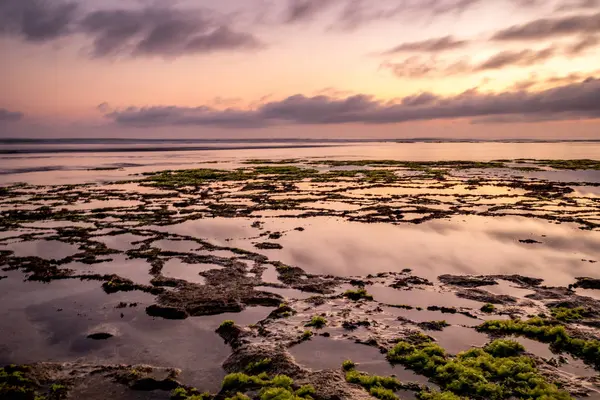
point(461, 245)
point(478, 246)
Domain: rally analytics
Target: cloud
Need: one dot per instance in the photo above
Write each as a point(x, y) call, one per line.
point(357, 13)
point(304, 10)
point(428, 46)
point(420, 67)
point(548, 28)
point(10, 116)
point(147, 31)
point(521, 58)
point(571, 101)
point(161, 32)
point(583, 44)
point(37, 20)
point(578, 5)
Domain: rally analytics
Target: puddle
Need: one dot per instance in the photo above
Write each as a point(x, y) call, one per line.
point(418, 297)
point(572, 366)
point(458, 338)
point(507, 288)
point(122, 242)
point(135, 269)
point(324, 353)
point(48, 249)
point(175, 268)
point(270, 275)
point(34, 330)
point(593, 293)
point(425, 316)
point(180, 246)
point(433, 248)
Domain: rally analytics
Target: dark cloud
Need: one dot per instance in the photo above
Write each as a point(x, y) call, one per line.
point(147, 31)
point(161, 32)
point(165, 116)
point(357, 13)
point(577, 100)
point(10, 116)
point(428, 46)
point(583, 44)
point(520, 58)
point(578, 5)
point(304, 10)
point(549, 28)
point(37, 20)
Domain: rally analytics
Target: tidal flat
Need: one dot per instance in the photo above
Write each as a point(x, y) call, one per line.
point(305, 278)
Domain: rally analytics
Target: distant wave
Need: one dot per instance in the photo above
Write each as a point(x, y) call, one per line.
point(41, 149)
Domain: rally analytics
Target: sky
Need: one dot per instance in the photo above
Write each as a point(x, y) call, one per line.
point(482, 69)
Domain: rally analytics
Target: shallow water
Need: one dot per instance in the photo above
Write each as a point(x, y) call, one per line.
point(453, 243)
point(51, 322)
point(324, 353)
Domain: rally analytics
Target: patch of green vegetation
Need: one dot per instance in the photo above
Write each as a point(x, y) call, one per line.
point(191, 394)
point(570, 164)
point(498, 371)
point(15, 385)
point(280, 387)
point(226, 324)
point(238, 396)
point(348, 365)
point(382, 393)
point(425, 395)
point(317, 321)
point(434, 325)
point(370, 381)
point(195, 177)
point(118, 285)
point(358, 294)
point(258, 366)
point(566, 314)
point(306, 335)
point(488, 308)
point(58, 391)
point(547, 331)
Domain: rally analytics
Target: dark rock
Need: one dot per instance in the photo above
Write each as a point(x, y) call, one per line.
point(100, 336)
point(485, 296)
point(150, 384)
point(156, 310)
point(268, 246)
point(409, 281)
point(467, 280)
point(529, 241)
point(587, 283)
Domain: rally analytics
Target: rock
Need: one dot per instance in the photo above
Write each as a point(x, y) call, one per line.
point(156, 310)
point(529, 241)
point(268, 246)
point(467, 280)
point(587, 283)
point(100, 336)
point(485, 296)
point(409, 281)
